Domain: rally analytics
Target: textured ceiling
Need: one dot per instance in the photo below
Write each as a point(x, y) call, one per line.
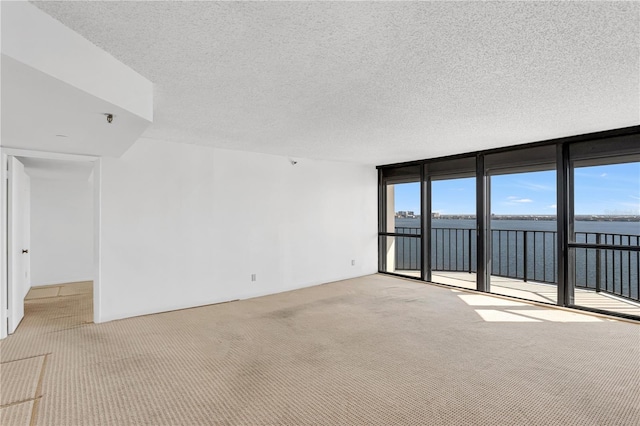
point(373, 82)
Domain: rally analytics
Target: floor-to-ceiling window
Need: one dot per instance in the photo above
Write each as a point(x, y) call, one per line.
point(453, 231)
point(450, 210)
point(604, 231)
point(523, 235)
point(523, 221)
point(400, 226)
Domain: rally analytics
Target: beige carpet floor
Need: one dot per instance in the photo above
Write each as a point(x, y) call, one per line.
point(371, 351)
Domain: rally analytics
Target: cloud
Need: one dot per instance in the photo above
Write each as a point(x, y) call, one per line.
point(634, 197)
point(603, 175)
point(521, 200)
point(552, 206)
point(535, 186)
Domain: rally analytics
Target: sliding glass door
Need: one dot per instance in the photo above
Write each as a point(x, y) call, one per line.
point(453, 231)
point(522, 226)
point(400, 231)
point(523, 235)
point(604, 232)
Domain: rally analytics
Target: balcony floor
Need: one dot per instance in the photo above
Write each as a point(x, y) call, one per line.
point(534, 291)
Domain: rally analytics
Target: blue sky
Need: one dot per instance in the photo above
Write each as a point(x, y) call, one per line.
point(611, 189)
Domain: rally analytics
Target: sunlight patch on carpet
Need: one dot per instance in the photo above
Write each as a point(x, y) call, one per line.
point(494, 315)
point(556, 315)
point(481, 300)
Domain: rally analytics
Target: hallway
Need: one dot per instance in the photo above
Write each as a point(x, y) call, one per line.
point(48, 310)
point(57, 307)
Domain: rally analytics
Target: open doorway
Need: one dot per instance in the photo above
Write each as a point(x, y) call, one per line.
point(50, 259)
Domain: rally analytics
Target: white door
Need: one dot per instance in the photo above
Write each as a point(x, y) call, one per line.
point(19, 239)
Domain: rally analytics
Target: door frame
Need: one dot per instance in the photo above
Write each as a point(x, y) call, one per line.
point(5, 205)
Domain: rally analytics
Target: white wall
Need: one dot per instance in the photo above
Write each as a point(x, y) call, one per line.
point(183, 225)
point(61, 231)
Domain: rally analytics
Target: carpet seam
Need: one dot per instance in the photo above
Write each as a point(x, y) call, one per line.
point(52, 297)
point(36, 398)
point(71, 328)
point(61, 284)
point(22, 359)
point(11, 404)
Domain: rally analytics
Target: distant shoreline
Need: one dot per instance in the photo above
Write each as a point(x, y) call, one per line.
point(584, 218)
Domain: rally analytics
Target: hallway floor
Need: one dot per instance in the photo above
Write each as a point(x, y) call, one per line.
point(48, 310)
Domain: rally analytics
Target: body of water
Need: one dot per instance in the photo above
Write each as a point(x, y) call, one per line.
point(527, 249)
point(626, 228)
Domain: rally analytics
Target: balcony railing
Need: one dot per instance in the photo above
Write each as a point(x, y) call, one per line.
point(530, 255)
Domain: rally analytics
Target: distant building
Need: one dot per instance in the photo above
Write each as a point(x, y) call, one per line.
point(406, 215)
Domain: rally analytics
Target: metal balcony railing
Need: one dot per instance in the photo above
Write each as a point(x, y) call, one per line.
point(530, 255)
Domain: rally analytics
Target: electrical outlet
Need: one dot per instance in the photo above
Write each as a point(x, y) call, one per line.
point(353, 262)
point(253, 277)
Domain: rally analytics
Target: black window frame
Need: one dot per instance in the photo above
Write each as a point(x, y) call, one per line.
point(560, 153)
